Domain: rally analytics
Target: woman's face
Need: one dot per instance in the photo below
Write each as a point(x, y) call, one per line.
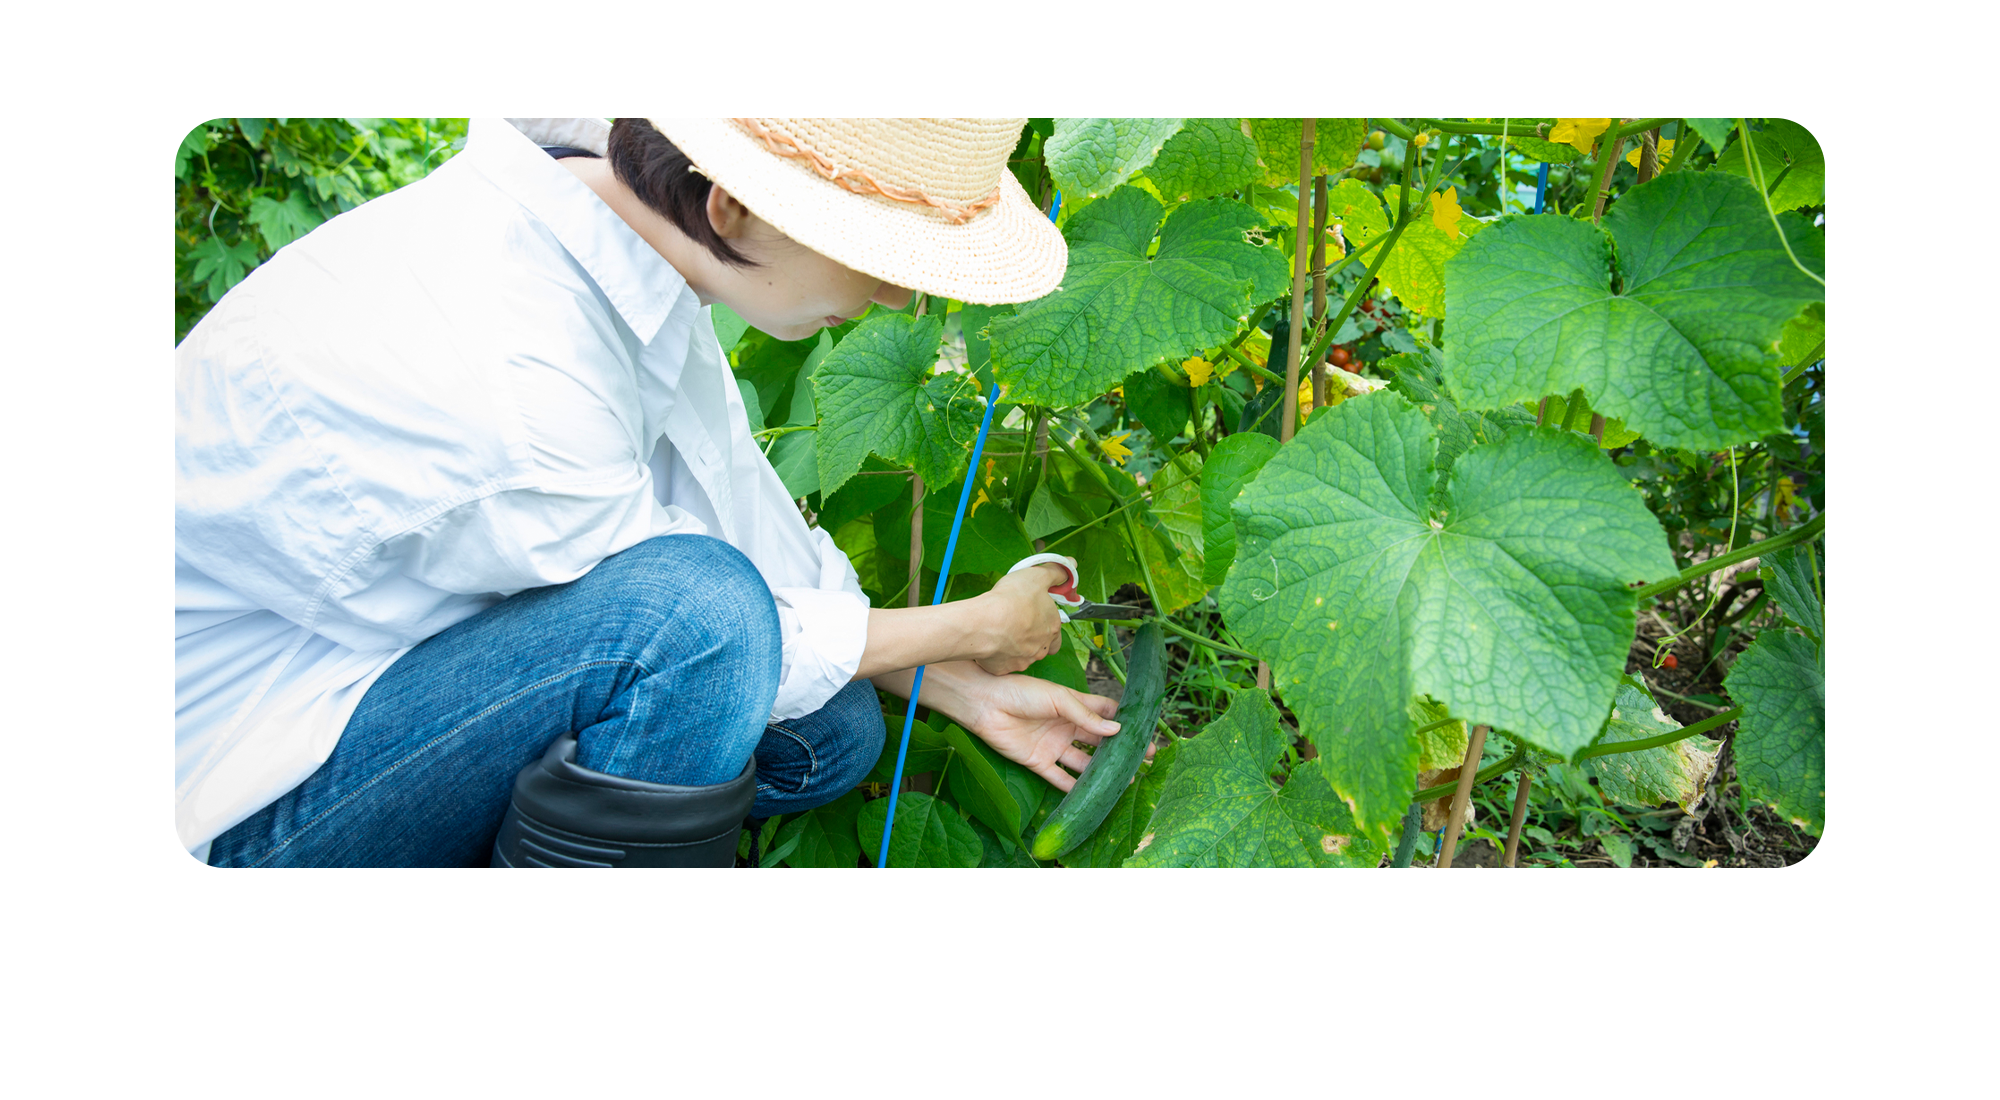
point(793, 292)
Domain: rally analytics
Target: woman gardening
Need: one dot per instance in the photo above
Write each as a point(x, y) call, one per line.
point(475, 557)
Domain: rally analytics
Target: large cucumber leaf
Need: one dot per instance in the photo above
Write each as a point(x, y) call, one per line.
point(1220, 806)
point(1668, 317)
point(1419, 376)
point(1119, 309)
point(874, 392)
point(1415, 269)
point(929, 833)
point(1511, 608)
point(1781, 739)
point(1089, 157)
point(1793, 574)
point(1209, 156)
point(1176, 506)
point(1789, 157)
point(1336, 142)
point(1230, 466)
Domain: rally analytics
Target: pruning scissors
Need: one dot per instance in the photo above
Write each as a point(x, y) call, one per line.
point(1069, 604)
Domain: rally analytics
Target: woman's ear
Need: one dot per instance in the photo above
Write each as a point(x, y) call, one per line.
point(730, 219)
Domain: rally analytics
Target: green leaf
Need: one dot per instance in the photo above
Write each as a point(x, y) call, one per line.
point(863, 496)
point(1231, 465)
point(1220, 807)
point(1208, 156)
point(1512, 609)
point(1336, 142)
point(1677, 773)
point(1158, 403)
point(875, 392)
point(1047, 514)
point(1122, 829)
point(1790, 158)
point(1618, 846)
point(979, 784)
point(1548, 152)
point(1682, 347)
point(195, 144)
point(826, 836)
point(795, 455)
point(1804, 338)
point(253, 130)
point(928, 833)
point(1415, 268)
point(993, 852)
point(928, 750)
point(1177, 507)
point(729, 327)
point(281, 223)
point(1793, 574)
point(989, 541)
point(1438, 747)
point(1715, 131)
point(1119, 310)
point(221, 265)
point(1781, 738)
point(1089, 157)
point(1419, 377)
point(1357, 211)
point(752, 407)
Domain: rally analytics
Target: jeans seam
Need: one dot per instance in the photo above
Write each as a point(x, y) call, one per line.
point(431, 744)
point(812, 759)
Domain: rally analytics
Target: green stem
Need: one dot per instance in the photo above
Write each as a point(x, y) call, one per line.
point(1513, 127)
point(1803, 365)
point(1437, 725)
point(1204, 640)
point(1657, 690)
point(1254, 368)
point(1082, 527)
point(1432, 794)
point(1757, 174)
point(1668, 738)
point(1395, 127)
point(1360, 291)
point(1413, 826)
point(1755, 549)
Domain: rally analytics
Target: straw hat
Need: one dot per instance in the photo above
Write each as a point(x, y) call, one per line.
point(924, 203)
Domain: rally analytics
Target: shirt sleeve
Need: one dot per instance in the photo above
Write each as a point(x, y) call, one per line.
point(825, 628)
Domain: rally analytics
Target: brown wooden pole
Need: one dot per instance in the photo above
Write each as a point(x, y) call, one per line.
point(1462, 797)
point(916, 597)
point(1520, 815)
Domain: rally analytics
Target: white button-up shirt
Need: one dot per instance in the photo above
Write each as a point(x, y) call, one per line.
point(482, 383)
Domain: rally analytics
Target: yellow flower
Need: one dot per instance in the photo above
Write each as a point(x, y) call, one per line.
point(1198, 370)
point(1115, 449)
point(1579, 132)
point(1445, 213)
point(974, 510)
point(1666, 151)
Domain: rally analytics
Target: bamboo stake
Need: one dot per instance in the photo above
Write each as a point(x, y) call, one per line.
point(916, 539)
point(1319, 284)
point(1514, 822)
point(1288, 423)
point(1462, 797)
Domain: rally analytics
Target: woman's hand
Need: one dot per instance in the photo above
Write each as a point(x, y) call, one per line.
point(1029, 721)
point(1020, 620)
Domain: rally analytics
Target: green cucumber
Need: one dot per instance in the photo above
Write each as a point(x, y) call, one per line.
point(1117, 760)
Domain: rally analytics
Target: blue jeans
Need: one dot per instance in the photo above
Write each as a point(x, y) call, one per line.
point(663, 660)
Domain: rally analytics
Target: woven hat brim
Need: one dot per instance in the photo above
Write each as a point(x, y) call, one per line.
point(1009, 252)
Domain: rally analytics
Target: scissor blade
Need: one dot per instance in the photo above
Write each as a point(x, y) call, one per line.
point(1107, 611)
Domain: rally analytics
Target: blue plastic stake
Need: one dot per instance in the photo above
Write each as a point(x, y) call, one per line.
point(1541, 186)
point(944, 575)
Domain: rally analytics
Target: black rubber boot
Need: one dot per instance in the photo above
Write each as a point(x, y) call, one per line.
point(563, 815)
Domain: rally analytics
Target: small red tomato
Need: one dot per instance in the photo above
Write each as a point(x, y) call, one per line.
point(1341, 356)
point(1367, 305)
point(1671, 661)
point(1351, 368)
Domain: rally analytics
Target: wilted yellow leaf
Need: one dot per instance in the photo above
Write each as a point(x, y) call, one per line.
point(1784, 497)
point(1666, 150)
point(1445, 212)
point(1115, 449)
point(1199, 370)
point(1579, 132)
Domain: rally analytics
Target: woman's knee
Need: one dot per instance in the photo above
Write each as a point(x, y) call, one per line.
point(700, 591)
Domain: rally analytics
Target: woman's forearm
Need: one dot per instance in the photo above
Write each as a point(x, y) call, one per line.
point(905, 637)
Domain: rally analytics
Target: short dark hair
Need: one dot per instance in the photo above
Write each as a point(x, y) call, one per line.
point(668, 183)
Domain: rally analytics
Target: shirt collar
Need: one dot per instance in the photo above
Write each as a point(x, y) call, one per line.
point(640, 283)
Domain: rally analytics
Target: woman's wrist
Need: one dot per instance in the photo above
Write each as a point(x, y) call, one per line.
point(958, 689)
